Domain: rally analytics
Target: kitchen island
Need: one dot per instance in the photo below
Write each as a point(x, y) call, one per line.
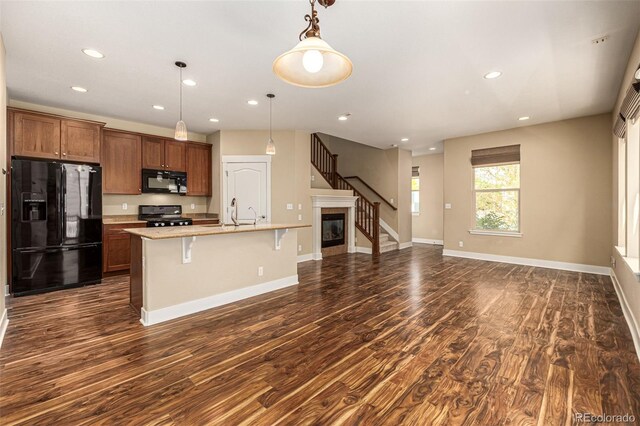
point(182, 270)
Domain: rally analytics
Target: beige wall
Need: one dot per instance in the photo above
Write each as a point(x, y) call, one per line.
point(565, 192)
point(429, 224)
point(386, 171)
point(290, 171)
point(3, 182)
point(112, 204)
point(628, 282)
point(219, 264)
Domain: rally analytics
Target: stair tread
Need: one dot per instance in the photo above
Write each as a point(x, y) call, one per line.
point(388, 243)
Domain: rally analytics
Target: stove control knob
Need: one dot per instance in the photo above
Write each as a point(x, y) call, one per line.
point(162, 224)
point(156, 224)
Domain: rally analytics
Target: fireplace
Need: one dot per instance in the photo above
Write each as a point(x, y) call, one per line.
point(332, 229)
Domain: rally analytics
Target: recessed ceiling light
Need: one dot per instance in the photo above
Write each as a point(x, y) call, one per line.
point(188, 82)
point(252, 102)
point(637, 75)
point(492, 75)
point(213, 120)
point(160, 107)
point(526, 117)
point(433, 148)
point(404, 140)
point(79, 89)
point(93, 53)
point(344, 117)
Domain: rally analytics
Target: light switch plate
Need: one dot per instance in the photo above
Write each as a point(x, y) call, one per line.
point(447, 206)
point(125, 206)
point(299, 217)
point(299, 206)
point(193, 206)
point(289, 206)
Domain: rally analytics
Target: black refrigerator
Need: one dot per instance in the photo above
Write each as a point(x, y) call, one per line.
point(56, 225)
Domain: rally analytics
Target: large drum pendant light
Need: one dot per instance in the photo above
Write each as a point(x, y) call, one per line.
point(181, 127)
point(312, 62)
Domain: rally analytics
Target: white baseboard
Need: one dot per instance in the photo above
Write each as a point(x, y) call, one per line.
point(576, 267)
point(428, 241)
point(405, 245)
point(188, 308)
point(305, 257)
point(628, 314)
point(4, 323)
point(365, 250)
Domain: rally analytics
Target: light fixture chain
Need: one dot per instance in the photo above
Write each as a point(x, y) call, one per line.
point(180, 93)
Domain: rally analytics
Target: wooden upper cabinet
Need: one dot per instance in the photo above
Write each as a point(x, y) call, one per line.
point(152, 153)
point(198, 169)
point(40, 135)
point(80, 141)
point(174, 156)
point(121, 161)
point(36, 135)
point(163, 154)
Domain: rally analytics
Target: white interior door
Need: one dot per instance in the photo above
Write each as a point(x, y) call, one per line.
point(248, 184)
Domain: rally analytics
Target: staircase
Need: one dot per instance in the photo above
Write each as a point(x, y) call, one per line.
point(367, 213)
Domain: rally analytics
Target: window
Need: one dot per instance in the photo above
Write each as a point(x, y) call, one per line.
point(632, 246)
point(415, 190)
point(497, 198)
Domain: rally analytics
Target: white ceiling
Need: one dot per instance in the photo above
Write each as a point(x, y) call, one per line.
point(418, 66)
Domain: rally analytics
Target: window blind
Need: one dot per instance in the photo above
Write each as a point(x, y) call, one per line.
point(498, 155)
point(631, 103)
point(620, 127)
point(415, 171)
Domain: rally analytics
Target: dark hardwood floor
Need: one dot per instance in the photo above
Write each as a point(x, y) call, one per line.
point(413, 338)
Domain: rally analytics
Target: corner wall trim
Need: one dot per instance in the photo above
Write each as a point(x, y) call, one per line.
point(193, 306)
point(552, 264)
point(4, 324)
point(405, 245)
point(428, 241)
point(628, 314)
point(305, 257)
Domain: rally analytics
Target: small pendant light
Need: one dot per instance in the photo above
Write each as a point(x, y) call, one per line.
point(271, 146)
point(181, 127)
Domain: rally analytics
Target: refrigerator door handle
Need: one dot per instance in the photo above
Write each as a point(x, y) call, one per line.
point(63, 207)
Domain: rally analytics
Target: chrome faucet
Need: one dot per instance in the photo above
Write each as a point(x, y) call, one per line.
point(255, 215)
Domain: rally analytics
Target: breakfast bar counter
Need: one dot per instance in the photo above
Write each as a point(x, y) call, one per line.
point(178, 271)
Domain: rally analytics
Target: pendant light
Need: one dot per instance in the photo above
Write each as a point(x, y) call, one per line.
point(312, 62)
point(181, 127)
point(271, 146)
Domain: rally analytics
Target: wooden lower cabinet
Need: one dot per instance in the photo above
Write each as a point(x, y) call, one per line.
point(116, 248)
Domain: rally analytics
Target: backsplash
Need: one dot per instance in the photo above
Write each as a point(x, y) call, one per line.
point(112, 204)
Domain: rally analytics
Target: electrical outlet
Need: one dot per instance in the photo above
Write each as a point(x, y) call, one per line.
point(260, 271)
point(460, 244)
point(193, 206)
point(313, 178)
point(125, 206)
point(299, 247)
point(447, 206)
point(289, 206)
point(391, 201)
point(299, 206)
point(299, 217)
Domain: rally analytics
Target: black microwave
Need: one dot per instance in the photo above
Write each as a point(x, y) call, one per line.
point(163, 182)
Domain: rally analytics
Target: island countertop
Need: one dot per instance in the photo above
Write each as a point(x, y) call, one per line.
point(204, 230)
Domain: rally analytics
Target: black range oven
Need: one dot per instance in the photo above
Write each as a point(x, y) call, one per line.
point(164, 182)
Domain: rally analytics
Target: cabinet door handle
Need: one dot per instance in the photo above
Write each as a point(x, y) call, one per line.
point(56, 152)
point(64, 153)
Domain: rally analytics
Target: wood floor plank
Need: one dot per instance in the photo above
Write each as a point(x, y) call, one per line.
point(411, 337)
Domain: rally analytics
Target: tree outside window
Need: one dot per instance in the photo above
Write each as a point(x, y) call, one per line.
point(497, 198)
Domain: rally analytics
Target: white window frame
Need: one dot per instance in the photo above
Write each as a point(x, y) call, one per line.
point(626, 251)
point(495, 232)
